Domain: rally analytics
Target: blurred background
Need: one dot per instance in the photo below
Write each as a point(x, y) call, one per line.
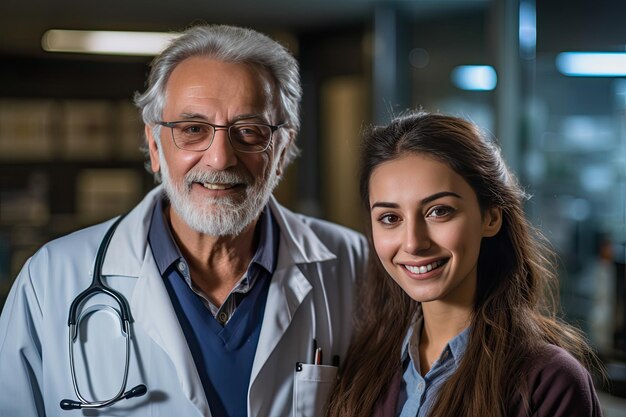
point(521, 69)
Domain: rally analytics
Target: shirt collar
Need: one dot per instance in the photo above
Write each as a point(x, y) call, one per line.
point(161, 240)
point(267, 251)
point(166, 251)
point(457, 345)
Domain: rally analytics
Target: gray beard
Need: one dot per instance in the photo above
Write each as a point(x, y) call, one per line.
point(224, 216)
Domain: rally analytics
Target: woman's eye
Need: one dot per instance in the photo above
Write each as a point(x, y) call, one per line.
point(440, 211)
point(388, 219)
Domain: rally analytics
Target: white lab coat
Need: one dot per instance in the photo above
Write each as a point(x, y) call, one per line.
point(310, 296)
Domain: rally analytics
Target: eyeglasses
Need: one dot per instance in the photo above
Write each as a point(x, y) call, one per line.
point(243, 137)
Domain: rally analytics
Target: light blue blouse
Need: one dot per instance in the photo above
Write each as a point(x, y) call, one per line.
point(417, 393)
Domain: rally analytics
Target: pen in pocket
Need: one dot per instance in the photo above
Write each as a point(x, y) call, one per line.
point(318, 356)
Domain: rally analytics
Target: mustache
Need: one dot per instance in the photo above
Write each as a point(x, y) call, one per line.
point(228, 176)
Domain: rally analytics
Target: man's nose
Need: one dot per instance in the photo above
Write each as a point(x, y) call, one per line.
point(220, 154)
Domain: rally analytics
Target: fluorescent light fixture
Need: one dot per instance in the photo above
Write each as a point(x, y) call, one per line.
point(592, 64)
point(106, 42)
point(527, 29)
point(474, 77)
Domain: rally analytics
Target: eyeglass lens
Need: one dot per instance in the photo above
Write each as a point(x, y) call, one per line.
point(195, 136)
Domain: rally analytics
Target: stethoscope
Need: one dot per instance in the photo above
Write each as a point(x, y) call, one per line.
point(96, 287)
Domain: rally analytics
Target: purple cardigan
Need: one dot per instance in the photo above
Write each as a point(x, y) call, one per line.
point(560, 387)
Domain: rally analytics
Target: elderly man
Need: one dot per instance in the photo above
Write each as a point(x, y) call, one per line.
point(229, 304)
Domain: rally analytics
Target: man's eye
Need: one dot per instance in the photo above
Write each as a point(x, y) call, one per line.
point(193, 130)
point(247, 130)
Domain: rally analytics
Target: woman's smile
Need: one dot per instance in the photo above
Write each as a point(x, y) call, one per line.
point(423, 269)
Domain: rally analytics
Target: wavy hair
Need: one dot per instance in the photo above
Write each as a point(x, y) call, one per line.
point(515, 307)
point(229, 44)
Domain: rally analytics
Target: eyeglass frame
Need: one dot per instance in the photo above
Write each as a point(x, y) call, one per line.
point(215, 127)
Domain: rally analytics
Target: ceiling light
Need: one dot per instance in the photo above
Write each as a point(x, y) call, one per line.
point(592, 64)
point(527, 29)
point(475, 77)
point(106, 42)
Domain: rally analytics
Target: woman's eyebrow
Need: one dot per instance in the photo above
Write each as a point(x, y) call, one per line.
point(440, 195)
point(383, 204)
point(426, 200)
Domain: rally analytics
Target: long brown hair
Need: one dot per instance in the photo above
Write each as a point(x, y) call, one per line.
point(515, 309)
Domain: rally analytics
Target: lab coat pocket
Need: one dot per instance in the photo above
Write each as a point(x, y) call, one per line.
point(312, 384)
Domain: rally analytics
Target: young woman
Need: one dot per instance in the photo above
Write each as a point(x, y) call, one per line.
point(455, 317)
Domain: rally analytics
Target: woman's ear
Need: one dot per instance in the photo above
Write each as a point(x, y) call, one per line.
point(492, 221)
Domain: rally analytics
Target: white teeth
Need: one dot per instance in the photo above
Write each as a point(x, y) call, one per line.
point(211, 186)
point(424, 268)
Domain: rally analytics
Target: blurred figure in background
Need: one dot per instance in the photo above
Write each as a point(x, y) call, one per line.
point(601, 277)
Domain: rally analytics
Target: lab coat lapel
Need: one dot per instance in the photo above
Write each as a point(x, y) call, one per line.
point(287, 290)
point(153, 311)
point(289, 286)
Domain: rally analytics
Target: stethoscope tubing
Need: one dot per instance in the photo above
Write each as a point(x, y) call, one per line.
point(120, 394)
point(96, 287)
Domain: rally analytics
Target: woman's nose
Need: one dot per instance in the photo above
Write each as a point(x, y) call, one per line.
point(416, 238)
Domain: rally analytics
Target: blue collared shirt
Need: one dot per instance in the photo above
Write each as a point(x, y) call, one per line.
point(169, 260)
point(417, 393)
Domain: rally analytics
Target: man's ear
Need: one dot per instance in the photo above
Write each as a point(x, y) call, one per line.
point(282, 158)
point(492, 221)
point(153, 147)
